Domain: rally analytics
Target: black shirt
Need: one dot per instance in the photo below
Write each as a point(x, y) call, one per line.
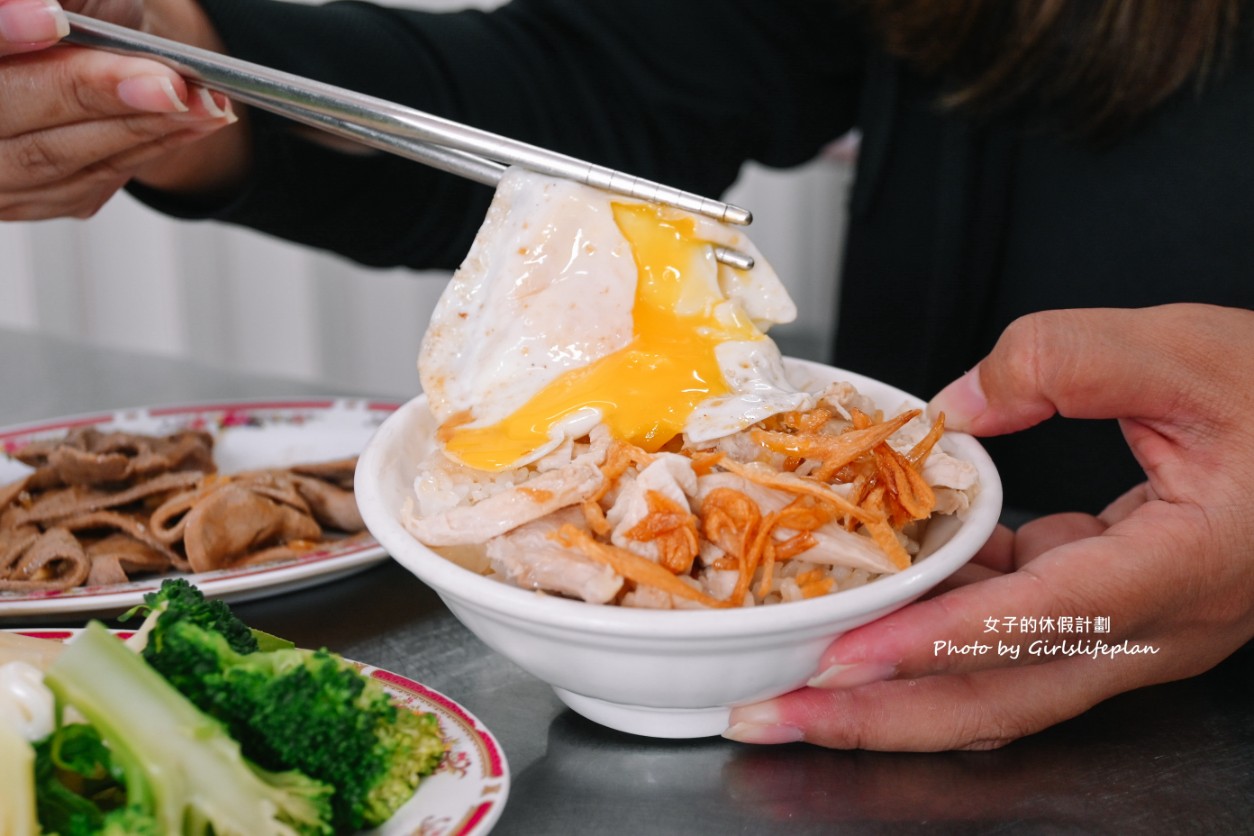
point(956, 227)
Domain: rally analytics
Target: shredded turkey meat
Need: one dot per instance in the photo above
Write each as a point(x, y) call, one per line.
point(798, 505)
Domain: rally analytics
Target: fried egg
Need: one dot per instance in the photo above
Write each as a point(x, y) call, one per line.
point(577, 307)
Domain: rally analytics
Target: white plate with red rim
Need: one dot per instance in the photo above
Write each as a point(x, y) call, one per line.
point(466, 793)
point(248, 434)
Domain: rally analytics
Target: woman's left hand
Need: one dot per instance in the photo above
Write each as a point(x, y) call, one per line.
point(1168, 568)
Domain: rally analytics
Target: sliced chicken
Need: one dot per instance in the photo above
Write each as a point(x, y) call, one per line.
point(842, 398)
point(955, 482)
point(835, 545)
point(668, 474)
point(530, 558)
point(509, 508)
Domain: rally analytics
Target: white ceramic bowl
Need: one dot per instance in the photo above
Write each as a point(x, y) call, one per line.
point(660, 673)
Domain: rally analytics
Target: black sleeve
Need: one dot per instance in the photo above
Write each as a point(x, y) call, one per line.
point(679, 92)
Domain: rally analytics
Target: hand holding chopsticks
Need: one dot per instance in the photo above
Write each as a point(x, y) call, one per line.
point(459, 149)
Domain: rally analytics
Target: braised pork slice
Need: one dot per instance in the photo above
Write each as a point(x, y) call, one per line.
point(53, 560)
point(117, 528)
point(331, 504)
point(116, 557)
point(13, 491)
point(14, 541)
point(234, 520)
point(87, 456)
point(138, 504)
point(338, 472)
point(52, 505)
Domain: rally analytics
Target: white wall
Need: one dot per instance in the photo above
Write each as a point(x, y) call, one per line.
point(232, 298)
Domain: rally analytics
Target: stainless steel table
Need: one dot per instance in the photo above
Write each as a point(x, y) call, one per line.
point(1175, 758)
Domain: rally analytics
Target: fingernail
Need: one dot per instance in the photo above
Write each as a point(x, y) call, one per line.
point(851, 676)
point(151, 93)
point(962, 401)
point(211, 105)
point(214, 111)
point(32, 22)
point(759, 733)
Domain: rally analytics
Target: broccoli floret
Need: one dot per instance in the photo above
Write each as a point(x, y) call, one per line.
point(315, 712)
point(292, 709)
point(179, 766)
point(310, 711)
point(179, 600)
point(78, 785)
point(128, 821)
point(79, 791)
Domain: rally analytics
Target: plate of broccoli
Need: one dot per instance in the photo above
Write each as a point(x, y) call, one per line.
point(194, 723)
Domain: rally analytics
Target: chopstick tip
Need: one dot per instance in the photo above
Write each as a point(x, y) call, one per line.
point(733, 258)
point(737, 215)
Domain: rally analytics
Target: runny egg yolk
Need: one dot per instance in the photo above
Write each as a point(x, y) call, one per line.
point(646, 390)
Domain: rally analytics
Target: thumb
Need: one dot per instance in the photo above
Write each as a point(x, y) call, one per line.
point(1145, 364)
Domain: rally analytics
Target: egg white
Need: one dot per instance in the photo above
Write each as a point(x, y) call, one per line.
point(549, 286)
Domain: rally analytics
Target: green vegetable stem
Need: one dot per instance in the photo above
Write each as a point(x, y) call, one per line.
point(181, 768)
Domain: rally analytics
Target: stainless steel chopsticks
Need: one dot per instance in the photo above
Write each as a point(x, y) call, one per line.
point(441, 143)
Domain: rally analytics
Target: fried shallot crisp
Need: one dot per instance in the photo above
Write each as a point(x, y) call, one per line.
point(104, 507)
point(798, 505)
